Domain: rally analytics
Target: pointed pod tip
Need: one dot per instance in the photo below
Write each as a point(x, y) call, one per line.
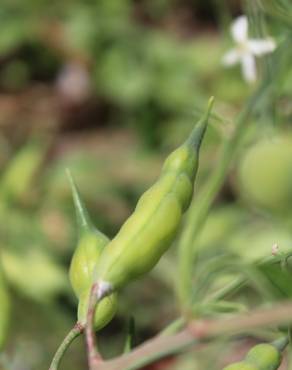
point(68, 172)
point(73, 186)
point(196, 136)
point(74, 190)
point(83, 219)
point(210, 104)
point(205, 117)
point(69, 177)
point(209, 108)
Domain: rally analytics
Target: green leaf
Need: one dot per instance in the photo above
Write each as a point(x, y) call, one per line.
point(4, 310)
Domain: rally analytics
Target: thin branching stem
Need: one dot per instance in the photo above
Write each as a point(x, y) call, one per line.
point(200, 207)
point(197, 333)
point(73, 333)
point(224, 292)
point(229, 289)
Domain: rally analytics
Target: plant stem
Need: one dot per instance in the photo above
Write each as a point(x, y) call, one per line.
point(180, 322)
point(200, 207)
point(281, 343)
point(130, 338)
point(196, 333)
point(174, 326)
point(73, 333)
point(227, 290)
point(99, 290)
point(93, 356)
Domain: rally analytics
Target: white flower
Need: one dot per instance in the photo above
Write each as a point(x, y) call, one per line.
point(246, 49)
point(275, 249)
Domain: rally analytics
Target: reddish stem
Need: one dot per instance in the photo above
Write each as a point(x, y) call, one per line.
point(94, 358)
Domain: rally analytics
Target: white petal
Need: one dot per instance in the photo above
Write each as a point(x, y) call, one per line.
point(249, 68)
point(259, 47)
point(239, 29)
point(231, 57)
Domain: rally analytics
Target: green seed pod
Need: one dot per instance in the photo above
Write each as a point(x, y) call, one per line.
point(149, 231)
point(104, 313)
point(90, 245)
point(241, 366)
point(264, 356)
point(4, 310)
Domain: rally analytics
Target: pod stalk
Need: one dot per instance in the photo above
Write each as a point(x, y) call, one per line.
point(281, 343)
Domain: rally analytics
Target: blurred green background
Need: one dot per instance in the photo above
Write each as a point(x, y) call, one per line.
point(107, 88)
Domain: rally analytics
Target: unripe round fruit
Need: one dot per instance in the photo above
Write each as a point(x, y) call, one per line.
point(264, 356)
point(240, 366)
point(265, 174)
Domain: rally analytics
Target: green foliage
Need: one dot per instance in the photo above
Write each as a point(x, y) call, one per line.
point(18, 177)
point(150, 65)
point(23, 241)
point(4, 311)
